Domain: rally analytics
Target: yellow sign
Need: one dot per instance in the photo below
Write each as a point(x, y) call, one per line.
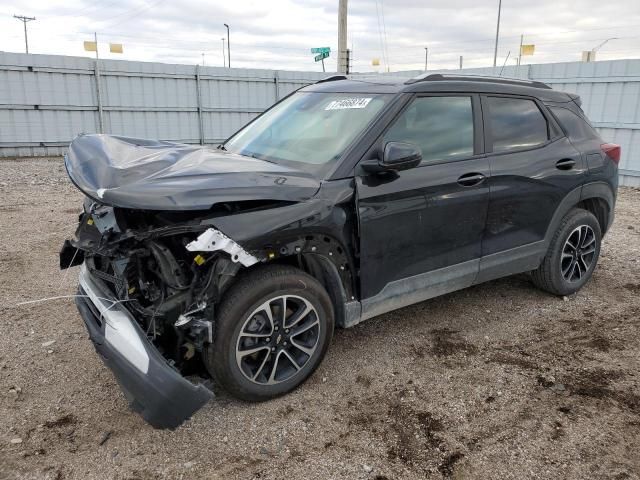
point(115, 47)
point(375, 62)
point(90, 46)
point(528, 49)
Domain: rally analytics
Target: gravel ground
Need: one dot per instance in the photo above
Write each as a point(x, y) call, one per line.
point(496, 381)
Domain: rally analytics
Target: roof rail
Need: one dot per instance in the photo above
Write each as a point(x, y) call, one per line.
point(332, 78)
point(434, 77)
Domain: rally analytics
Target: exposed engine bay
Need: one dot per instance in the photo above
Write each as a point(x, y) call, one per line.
point(169, 276)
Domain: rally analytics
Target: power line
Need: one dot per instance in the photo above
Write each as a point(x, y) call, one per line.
point(382, 49)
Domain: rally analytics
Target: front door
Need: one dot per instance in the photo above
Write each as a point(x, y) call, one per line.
point(421, 229)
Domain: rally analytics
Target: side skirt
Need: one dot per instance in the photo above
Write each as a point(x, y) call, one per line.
point(407, 291)
point(509, 262)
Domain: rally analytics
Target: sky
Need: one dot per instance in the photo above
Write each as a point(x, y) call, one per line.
point(278, 34)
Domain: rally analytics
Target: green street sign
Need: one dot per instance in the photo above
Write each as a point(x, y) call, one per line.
point(321, 50)
point(322, 56)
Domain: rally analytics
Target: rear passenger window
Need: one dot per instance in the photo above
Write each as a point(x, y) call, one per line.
point(516, 123)
point(577, 128)
point(441, 126)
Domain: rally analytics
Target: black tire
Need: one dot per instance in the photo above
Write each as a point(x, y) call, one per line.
point(553, 274)
point(238, 321)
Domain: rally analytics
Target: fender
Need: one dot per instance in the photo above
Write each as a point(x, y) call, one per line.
point(595, 190)
point(603, 191)
point(320, 227)
point(566, 204)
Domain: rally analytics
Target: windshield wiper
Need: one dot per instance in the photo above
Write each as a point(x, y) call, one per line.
point(256, 155)
point(221, 147)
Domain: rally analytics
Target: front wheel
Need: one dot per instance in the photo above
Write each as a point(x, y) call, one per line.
point(272, 330)
point(572, 255)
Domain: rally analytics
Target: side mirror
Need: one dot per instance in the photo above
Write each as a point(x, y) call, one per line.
point(396, 156)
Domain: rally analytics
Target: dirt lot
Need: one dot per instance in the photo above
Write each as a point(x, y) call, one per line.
point(496, 381)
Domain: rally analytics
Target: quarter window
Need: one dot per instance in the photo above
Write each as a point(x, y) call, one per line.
point(516, 123)
point(441, 126)
point(577, 127)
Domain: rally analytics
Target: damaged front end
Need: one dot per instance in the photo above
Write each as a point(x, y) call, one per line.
point(148, 288)
point(165, 230)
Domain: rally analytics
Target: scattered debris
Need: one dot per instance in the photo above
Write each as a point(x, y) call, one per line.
point(49, 343)
point(61, 421)
point(16, 440)
point(367, 468)
point(546, 381)
point(15, 391)
point(105, 436)
point(446, 467)
point(264, 451)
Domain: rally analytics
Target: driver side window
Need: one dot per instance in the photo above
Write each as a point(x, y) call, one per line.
point(441, 126)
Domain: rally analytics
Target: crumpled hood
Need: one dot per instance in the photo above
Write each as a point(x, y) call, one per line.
point(155, 175)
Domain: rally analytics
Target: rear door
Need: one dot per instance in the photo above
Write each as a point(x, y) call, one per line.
point(533, 167)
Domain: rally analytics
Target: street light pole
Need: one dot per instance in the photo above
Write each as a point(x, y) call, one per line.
point(592, 54)
point(426, 57)
point(224, 56)
point(495, 51)
point(24, 20)
point(228, 46)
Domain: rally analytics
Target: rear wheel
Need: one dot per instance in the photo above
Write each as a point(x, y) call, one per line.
point(272, 331)
point(572, 255)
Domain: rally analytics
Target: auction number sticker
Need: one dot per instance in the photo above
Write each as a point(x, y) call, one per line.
point(348, 103)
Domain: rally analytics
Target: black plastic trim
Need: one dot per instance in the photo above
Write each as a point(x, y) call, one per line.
point(163, 397)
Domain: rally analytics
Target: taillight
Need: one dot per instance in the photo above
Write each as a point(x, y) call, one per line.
point(612, 151)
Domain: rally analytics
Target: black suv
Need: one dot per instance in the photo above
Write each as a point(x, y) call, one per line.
point(346, 200)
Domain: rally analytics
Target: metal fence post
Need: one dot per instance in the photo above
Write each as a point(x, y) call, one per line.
point(277, 85)
point(199, 98)
point(99, 98)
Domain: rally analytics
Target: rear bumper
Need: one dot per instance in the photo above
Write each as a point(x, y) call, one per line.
point(154, 389)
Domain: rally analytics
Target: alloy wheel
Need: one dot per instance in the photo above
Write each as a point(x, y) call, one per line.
point(578, 253)
point(278, 339)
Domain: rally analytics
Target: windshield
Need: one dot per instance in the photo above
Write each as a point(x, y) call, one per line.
point(308, 130)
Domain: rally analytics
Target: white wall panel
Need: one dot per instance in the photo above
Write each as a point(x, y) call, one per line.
point(45, 100)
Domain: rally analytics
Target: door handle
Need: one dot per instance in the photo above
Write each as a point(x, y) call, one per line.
point(471, 179)
point(566, 164)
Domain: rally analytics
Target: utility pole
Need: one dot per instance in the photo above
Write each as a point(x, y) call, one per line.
point(520, 51)
point(426, 57)
point(224, 56)
point(495, 51)
point(343, 66)
point(95, 39)
point(24, 20)
point(348, 60)
point(228, 46)
point(460, 62)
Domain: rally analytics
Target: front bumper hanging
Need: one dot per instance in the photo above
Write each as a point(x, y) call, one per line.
point(154, 389)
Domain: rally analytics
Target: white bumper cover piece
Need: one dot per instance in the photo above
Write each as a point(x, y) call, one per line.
point(212, 240)
point(119, 330)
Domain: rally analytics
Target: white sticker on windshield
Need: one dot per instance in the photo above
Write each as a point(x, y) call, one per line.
point(348, 103)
